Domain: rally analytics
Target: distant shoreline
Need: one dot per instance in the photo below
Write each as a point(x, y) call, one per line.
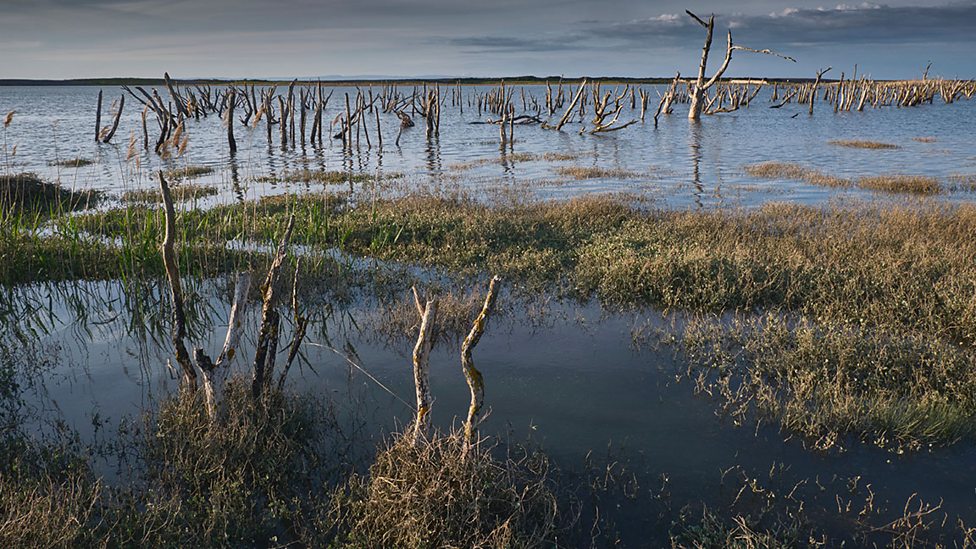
point(517, 80)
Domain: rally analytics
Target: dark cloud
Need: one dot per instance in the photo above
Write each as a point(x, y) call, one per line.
point(72, 38)
point(864, 23)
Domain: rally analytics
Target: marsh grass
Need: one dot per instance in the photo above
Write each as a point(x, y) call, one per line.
point(513, 157)
point(962, 183)
point(431, 495)
point(27, 194)
point(861, 144)
point(189, 171)
point(73, 163)
point(317, 176)
point(581, 173)
point(825, 380)
point(181, 193)
point(787, 170)
point(911, 184)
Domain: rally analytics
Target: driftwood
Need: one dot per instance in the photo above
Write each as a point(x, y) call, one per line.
point(476, 383)
point(421, 364)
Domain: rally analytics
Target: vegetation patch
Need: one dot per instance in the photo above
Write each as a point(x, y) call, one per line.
point(181, 193)
point(962, 183)
point(26, 193)
point(73, 163)
point(861, 144)
point(580, 173)
point(894, 388)
point(189, 171)
point(317, 176)
point(787, 170)
point(433, 495)
point(911, 184)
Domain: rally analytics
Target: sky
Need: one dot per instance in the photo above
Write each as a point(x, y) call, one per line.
point(55, 39)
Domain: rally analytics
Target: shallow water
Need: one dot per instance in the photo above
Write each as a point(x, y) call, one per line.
point(565, 375)
point(679, 163)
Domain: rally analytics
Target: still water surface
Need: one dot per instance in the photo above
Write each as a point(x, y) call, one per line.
point(679, 163)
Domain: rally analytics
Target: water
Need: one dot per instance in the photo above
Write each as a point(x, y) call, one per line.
point(678, 163)
point(566, 375)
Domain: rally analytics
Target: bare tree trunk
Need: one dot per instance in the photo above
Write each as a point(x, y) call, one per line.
point(98, 116)
point(115, 123)
point(189, 381)
point(475, 381)
point(698, 91)
point(816, 84)
point(231, 102)
point(421, 365)
point(269, 317)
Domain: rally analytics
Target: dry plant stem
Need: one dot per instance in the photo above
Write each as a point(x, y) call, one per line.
point(189, 381)
point(269, 316)
point(421, 367)
point(476, 382)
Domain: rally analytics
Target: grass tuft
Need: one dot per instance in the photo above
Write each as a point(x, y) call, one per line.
point(911, 184)
point(861, 144)
point(181, 193)
point(591, 172)
point(432, 495)
point(73, 163)
point(26, 193)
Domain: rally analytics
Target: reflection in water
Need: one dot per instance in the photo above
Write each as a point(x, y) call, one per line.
point(694, 141)
point(568, 375)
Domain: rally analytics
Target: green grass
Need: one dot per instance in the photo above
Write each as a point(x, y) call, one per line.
point(862, 144)
point(73, 163)
point(317, 176)
point(27, 194)
point(895, 276)
point(188, 171)
point(181, 193)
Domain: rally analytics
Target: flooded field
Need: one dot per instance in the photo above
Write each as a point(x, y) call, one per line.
point(756, 329)
point(674, 162)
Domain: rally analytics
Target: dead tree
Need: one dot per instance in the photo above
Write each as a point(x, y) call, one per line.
point(816, 84)
point(700, 86)
point(267, 345)
point(421, 363)
point(115, 123)
point(189, 379)
point(476, 383)
point(229, 120)
point(98, 116)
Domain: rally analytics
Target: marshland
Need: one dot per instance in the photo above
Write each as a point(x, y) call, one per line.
point(696, 312)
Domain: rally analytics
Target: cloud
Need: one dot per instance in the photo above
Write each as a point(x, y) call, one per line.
point(865, 23)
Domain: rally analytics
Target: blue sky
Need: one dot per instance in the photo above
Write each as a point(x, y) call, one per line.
point(307, 38)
